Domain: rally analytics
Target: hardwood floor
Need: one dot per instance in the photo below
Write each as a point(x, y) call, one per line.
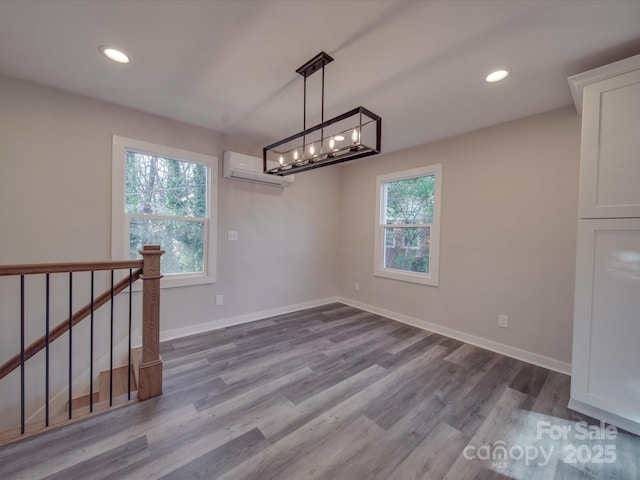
point(333, 393)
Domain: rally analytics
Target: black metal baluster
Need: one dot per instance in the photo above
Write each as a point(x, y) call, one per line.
point(129, 362)
point(46, 363)
point(21, 354)
point(91, 350)
point(70, 344)
point(111, 349)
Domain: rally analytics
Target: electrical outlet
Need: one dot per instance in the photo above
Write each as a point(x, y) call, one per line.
point(503, 321)
point(219, 300)
point(232, 235)
point(356, 286)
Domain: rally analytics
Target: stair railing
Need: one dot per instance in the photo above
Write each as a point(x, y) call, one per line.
point(150, 367)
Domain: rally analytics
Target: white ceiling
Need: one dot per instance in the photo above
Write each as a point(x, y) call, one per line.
point(230, 65)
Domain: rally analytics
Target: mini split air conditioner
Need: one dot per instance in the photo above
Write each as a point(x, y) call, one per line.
point(244, 167)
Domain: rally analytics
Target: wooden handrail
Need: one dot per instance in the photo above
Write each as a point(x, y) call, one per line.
point(63, 327)
point(32, 269)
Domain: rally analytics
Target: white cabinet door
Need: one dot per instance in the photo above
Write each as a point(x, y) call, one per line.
point(610, 157)
point(606, 348)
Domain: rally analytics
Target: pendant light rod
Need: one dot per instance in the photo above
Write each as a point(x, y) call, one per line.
point(304, 116)
point(322, 110)
point(312, 66)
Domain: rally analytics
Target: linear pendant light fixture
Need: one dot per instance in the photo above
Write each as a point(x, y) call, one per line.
point(354, 134)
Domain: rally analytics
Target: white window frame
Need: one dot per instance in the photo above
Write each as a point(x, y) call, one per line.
point(120, 219)
point(433, 277)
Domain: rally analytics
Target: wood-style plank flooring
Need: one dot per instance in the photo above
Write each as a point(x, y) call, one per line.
point(333, 393)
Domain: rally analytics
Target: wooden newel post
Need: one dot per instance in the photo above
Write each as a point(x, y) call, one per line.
point(150, 373)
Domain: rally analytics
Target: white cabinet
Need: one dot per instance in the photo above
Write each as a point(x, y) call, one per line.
point(610, 155)
point(606, 351)
point(605, 377)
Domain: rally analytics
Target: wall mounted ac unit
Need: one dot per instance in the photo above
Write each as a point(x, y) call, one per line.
point(244, 167)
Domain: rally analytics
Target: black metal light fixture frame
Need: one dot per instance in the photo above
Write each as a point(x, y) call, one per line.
point(363, 124)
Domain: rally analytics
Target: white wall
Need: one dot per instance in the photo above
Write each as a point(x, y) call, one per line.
point(55, 205)
point(508, 238)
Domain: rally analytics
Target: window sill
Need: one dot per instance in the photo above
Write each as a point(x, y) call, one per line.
point(410, 277)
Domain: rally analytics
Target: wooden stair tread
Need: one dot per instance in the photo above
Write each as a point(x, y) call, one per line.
point(120, 378)
point(83, 401)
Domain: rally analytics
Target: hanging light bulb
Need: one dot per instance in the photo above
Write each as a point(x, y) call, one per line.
point(312, 150)
point(332, 144)
point(295, 154)
point(356, 139)
point(355, 136)
point(281, 160)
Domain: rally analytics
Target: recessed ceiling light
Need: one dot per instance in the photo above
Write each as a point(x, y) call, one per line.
point(114, 54)
point(497, 76)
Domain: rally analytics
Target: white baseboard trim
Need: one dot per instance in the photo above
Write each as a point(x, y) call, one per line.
point(176, 333)
point(607, 417)
point(500, 348)
point(481, 342)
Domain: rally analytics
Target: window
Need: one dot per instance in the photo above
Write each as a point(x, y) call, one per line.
point(408, 225)
point(165, 196)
